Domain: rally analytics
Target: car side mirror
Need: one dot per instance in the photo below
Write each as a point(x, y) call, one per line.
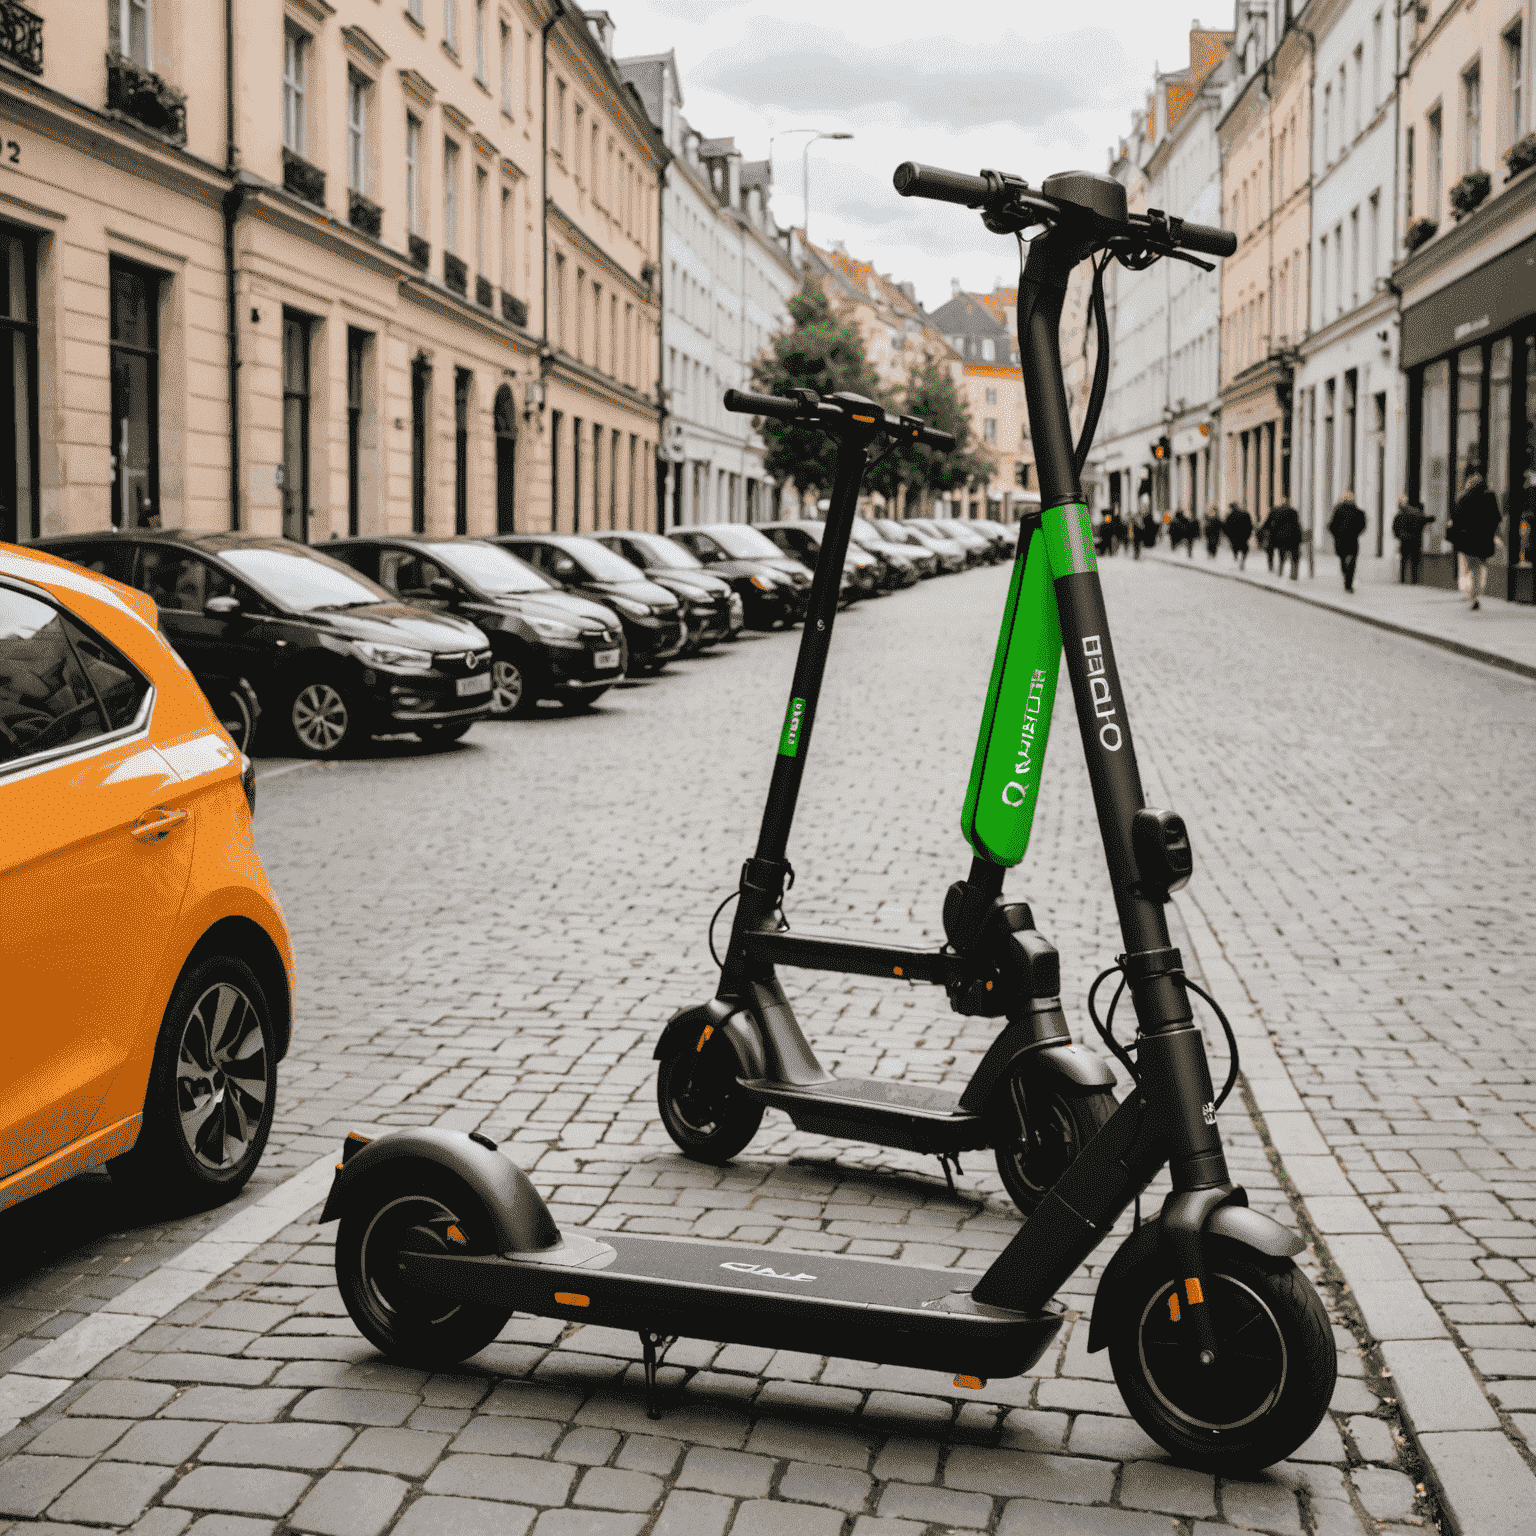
point(565, 568)
point(222, 605)
point(442, 586)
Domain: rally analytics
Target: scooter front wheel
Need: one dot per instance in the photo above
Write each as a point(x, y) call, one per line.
point(418, 1208)
point(705, 1110)
point(1043, 1126)
point(1275, 1366)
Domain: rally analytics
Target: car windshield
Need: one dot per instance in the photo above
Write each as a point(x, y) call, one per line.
point(305, 581)
point(665, 554)
point(488, 567)
point(743, 543)
point(864, 532)
point(598, 561)
point(891, 531)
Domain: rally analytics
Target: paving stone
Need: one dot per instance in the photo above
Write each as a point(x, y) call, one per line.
point(312, 1447)
point(349, 1405)
point(588, 1522)
point(448, 1391)
point(811, 1442)
point(239, 1490)
point(439, 1421)
point(434, 1516)
point(408, 1452)
point(687, 1513)
point(646, 1453)
point(875, 1525)
point(719, 1424)
point(1095, 1434)
point(349, 1504)
point(216, 1370)
point(817, 1483)
point(222, 1525)
point(1373, 1437)
point(1386, 1494)
point(111, 1493)
point(1262, 1503)
point(513, 1478)
point(937, 1506)
point(121, 1400)
point(729, 1472)
point(77, 1437)
point(589, 1447)
point(609, 1488)
point(244, 1405)
point(903, 1459)
point(806, 1397)
point(760, 1517)
point(1064, 1479)
point(166, 1442)
point(507, 1437)
point(910, 1412)
point(172, 1522)
point(1026, 1517)
point(32, 1483)
point(1156, 1485)
point(528, 1400)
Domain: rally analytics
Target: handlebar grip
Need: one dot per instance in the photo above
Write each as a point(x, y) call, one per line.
point(914, 180)
point(748, 404)
point(931, 437)
point(1207, 239)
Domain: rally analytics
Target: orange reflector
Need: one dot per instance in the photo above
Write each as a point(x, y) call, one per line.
point(571, 1299)
point(709, 1029)
point(1193, 1292)
point(989, 986)
point(868, 419)
point(340, 1166)
point(1173, 1306)
point(975, 1383)
point(897, 969)
point(455, 1236)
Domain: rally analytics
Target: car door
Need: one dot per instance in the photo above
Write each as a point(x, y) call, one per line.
point(93, 866)
point(702, 546)
point(411, 576)
point(215, 641)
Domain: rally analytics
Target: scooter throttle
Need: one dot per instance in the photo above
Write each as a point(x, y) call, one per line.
point(931, 181)
point(1207, 239)
point(748, 404)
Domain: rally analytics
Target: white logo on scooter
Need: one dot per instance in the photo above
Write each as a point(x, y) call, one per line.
point(763, 1269)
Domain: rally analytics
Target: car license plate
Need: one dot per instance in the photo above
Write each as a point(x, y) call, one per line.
point(602, 659)
point(467, 687)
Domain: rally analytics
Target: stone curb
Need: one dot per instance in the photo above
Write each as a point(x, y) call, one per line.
point(1483, 1482)
point(52, 1370)
point(1471, 652)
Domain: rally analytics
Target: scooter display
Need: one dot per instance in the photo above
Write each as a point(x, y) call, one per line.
point(1218, 1343)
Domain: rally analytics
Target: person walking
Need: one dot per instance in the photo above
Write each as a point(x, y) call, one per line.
point(1284, 524)
point(1408, 530)
point(1239, 530)
point(1346, 525)
point(1474, 530)
point(1261, 538)
point(1212, 533)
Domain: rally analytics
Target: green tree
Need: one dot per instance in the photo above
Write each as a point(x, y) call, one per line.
point(931, 395)
point(819, 352)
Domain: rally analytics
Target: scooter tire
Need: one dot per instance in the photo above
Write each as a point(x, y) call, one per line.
point(1275, 1366)
point(413, 1208)
point(706, 1112)
point(1048, 1122)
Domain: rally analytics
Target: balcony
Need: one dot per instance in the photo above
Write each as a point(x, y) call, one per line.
point(303, 179)
point(421, 253)
point(146, 98)
point(363, 215)
point(514, 311)
point(485, 295)
point(21, 37)
point(455, 273)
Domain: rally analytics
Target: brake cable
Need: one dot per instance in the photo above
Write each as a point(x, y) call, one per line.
point(1100, 367)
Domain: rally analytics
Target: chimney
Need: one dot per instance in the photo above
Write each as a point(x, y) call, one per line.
point(954, 287)
point(910, 289)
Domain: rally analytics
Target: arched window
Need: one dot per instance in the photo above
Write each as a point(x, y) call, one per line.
point(504, 417)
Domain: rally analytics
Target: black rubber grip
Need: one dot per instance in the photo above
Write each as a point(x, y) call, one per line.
point(914, 180)
point(1208, 240)
point(748, 404)
point(933, 438)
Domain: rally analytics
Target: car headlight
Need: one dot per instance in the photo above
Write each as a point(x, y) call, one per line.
point(401, 657)
point(631, 607)
point(553, 629)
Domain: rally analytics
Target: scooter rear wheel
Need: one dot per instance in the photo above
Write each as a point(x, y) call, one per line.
point(419, 1208)
point(1044, 1124)
point(1275, 1366)
point(705, 1110)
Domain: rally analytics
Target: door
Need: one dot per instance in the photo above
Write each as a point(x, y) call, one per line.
point(296, 340)
point(18, 387)
point(87, 902)
point(505, 418)
point(135, 365)
point(212, 643)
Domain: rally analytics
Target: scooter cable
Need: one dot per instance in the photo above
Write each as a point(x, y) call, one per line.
point(710, 932)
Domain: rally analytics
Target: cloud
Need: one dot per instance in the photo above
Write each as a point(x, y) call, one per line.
point(943, 81)
point(697, 10)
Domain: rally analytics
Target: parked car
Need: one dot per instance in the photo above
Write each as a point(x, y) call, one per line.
point(969, 532)
point(766, 597)
point(651, 616)
point(711, 610)
point(802, 537)
point(950, 555)
point(545, 643)
point(904, 565)
point(148, 970)
point(1004, 535)
point(333, 657)
point(781, 583)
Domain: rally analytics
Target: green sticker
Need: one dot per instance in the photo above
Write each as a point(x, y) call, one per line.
point(789, 742)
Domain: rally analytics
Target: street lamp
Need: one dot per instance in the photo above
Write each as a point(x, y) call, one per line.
point(805, 165)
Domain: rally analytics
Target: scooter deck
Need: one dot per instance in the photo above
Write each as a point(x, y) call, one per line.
point(912, 1116)
point(737, 1293)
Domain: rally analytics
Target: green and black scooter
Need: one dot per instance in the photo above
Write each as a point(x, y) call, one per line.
point(1220, 1347)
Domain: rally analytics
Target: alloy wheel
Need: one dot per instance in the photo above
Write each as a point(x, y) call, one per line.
point(221, 1077)
point(320, 718)
point(506, 687)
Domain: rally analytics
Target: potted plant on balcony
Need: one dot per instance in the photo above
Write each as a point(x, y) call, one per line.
point(1467, 193)
point(146, 98)
point(364, 214)
point(303, 179)
point(1520, 156)
point(1418, 232)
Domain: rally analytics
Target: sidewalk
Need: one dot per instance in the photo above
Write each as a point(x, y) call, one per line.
point(1500, 633)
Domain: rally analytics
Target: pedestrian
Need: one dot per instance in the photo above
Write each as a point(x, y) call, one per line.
point(1284, 524)
point(1346, 525)
point(1109, 531)
point(1408, 530)
point(1474, 530)
point(1261, 538)
point(1147, 528)
point(1239, 529)
point(1212, 532)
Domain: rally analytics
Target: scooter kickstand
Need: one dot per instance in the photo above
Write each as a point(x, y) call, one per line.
point(648, 1343)
point(949, 1177)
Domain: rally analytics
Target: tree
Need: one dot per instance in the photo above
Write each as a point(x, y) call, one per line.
point(823, 353)
point(931, 394)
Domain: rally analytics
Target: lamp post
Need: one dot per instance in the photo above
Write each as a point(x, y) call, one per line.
point(805, 163)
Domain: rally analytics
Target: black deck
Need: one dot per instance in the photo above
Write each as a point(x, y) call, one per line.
point(913, 1116)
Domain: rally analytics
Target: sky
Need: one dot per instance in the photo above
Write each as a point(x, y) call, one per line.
point(1029, 88)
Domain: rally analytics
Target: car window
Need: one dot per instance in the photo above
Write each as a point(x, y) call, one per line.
point(408, 573)
point(178, 580)
point(489, 567)
point(743, 543)
point(60, 682)
point(304, 580)
point(699, 546)
point(114, 559)
point(663, 553)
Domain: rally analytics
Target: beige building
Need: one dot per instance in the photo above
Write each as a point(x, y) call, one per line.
point(298, 286)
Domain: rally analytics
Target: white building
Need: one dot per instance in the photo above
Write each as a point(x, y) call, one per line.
point(1350, 423)
point(728, 274)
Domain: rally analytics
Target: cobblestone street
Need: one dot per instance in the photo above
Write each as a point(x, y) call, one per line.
point(491, 937)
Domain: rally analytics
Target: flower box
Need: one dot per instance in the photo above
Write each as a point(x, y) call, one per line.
point(1420, 231)
point(364, 215)
point(421, 252)
point(303, 179)
point(513, 310)
point(146, 98)
point(1520, 156)
point(1467, 193)
point(455, 273)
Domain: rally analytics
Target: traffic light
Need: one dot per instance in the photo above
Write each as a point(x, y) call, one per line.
point(1161, 448)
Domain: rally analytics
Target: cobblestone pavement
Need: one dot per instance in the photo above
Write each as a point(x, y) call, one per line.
point(490, 937)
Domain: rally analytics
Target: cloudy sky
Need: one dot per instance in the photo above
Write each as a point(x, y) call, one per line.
point(1030, 88)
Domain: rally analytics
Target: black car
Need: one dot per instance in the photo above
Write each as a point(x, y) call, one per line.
point(802, 538)
point(651, 616)
point(711, 609)
point(767, 596)
point(726, 544)
point(545, 643)
point(908, 563)
point(333, 658)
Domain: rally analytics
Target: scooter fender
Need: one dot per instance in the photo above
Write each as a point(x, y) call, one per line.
point(1075, 1066)
point(519, 1218)
point(686, 1031)
point(1254, 1230)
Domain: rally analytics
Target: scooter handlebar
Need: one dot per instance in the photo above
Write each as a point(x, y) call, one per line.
point(746, 403)
point(1207, 239)
point(931, 181)
point(808, 410)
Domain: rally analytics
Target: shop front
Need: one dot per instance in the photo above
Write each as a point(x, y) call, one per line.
point(1469, 351)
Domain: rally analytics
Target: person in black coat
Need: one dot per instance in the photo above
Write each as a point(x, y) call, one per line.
point(1239, 530)
point(1212, 532)
point(1346, 525)
point(1408, 530)
point(1474, 530)
point(1284, 526)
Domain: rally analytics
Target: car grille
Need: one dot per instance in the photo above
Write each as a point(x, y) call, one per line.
point(460, 664)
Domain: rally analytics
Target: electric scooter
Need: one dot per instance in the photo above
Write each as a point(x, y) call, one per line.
point(1219, 1345)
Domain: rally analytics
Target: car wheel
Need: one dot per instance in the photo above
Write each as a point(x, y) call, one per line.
point(513, 695)
point(212, 1088)
point(321, 720)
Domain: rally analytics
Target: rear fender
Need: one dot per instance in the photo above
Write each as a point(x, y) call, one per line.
point(691, 1029)
point(519, 1218)
point(1074, 1065)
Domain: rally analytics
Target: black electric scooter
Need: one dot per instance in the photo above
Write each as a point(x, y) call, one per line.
point(1220, 1347)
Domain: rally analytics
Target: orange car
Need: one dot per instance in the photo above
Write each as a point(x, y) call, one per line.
point(148, 974)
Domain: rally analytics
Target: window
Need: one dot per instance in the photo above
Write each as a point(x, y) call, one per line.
point(1354, 258)
point(1375, 59)
point(1472, 118)
point(18, 387)
point(581, 311)
point(413, 173)
point(135, 364)
point(1338, 268)
point(413, 10)
point(613, 335)
point(989, 429)
point(1322, 279)
point(528, 73)
point(1327, 124)
point(128, 30)
point(451, 24)
point(421, 406)
point(580, 139)
point(357, 354)
point(1373, 250)
point(296, 342)
point(1359, 85)
point(988, 349)
point(506, 68)
point(559, 116)
point(482, 186)
point(1408, 175)
point(1514, 64)
point(62, 684)
point(179, 583)
point(357, 132)
point(295, 68)
point(450, 197)
point(1436, 166)
point(480, 41)
point(462, 381)
point(559, 287)
point(991, 397)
